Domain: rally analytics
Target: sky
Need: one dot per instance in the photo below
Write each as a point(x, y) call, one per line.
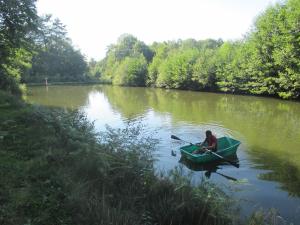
point(95, 24)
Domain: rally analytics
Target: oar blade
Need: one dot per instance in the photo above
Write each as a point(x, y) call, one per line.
point(175, 137)
point(226, 176)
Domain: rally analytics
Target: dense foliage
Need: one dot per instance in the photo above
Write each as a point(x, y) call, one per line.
point(32, 48)
point(54, 57)
point(266, 61)
point(125, 63)
point(18, 20)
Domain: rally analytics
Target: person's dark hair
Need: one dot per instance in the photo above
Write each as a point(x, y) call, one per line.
point(208, 133)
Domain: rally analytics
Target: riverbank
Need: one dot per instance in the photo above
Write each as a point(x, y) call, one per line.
point(66, 83)
point(56, 170)
point(194, 90)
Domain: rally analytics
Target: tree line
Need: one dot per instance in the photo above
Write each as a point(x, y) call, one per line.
point(265, 62)
point(33, 48)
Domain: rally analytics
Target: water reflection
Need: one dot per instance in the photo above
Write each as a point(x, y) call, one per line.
point(258, 121)
point(130, 102)
point(70, 97)
point(276, 169)
point(209, 168)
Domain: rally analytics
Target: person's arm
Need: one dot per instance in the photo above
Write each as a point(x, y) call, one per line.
point(199, 150)
point(201, 144)
point(213, 145)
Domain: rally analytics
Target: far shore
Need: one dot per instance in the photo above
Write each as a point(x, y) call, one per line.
point(210, 91)
point(65, 83)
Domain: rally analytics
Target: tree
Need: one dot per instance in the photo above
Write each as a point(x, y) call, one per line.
point(176, 70)
point(204, 70)
point(129, 46)
point(18, 20)
point(272, 52)
point(228, 67)
point(131, 72)
point(161, 52)
point(55, 57)
point(265, 62)
point(94, 69)
point(114, 67)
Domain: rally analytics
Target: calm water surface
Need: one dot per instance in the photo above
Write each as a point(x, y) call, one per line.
point(269, 129)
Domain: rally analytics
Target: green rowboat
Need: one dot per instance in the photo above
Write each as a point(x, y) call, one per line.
point(226, 147)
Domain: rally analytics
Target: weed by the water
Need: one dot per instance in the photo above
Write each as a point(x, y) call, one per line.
point(269, 217)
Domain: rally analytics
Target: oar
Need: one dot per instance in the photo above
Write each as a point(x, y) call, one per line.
point(226, 160)
point(226, 176)
point(215, 154)
point(207, 174)
point(177, 138)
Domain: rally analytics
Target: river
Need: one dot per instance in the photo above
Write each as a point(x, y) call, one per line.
point(269, 129)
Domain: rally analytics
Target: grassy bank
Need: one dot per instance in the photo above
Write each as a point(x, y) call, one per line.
point(54, 169)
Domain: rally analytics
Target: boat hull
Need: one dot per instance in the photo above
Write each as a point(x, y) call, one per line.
point(226, 147)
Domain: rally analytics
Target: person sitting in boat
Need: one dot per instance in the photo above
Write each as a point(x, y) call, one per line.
point(210, 141)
